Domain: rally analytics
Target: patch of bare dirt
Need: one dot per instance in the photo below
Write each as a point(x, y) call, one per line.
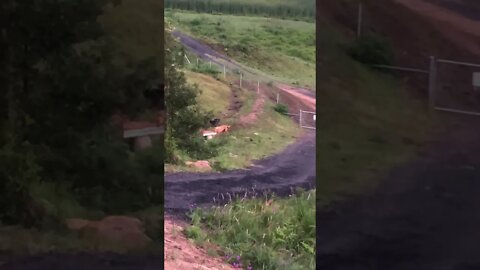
point(123, 230)
point(308, 101)
point(182, 254)
point(202, 165)
point(257, 109)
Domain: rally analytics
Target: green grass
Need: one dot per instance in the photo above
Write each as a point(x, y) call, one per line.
point(295, 9)
point(214, 95)
point(269, 135)
point(266, 234)
point(367, 122)
point(282, 48)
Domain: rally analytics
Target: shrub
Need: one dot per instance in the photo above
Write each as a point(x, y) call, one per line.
point(281, 108)
point(372, 49)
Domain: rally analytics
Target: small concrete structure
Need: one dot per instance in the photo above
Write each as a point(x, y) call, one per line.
point(141, 133)
point(209, 134)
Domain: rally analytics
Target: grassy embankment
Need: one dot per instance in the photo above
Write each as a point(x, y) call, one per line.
point(282, 50)
point(269, 134)
point(263, 233)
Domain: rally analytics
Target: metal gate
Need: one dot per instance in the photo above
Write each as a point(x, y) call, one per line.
point(307, 119)
point(455, 86)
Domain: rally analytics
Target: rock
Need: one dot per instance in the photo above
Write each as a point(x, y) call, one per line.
point(122, 231)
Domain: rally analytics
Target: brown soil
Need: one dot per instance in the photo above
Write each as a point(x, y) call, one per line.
point(307, 101)
point(182, 254)
point(257, 109)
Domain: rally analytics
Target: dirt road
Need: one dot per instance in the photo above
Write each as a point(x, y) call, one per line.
point(294, 167)
point(425, 216)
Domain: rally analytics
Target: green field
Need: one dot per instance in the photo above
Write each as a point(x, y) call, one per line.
point(298, 9)
point(284, 49)
point(276, 234)
point(368, 121)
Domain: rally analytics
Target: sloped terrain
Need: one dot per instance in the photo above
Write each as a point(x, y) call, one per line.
point(424, 214)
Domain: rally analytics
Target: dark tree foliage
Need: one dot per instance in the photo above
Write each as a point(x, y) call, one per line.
point(185, 118)
point(60, 89)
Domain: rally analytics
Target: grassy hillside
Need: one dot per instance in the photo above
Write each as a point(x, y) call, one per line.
point(368, 121)
point(214, 95)
point(300, 9)
point(269, 134)
point(282, 48)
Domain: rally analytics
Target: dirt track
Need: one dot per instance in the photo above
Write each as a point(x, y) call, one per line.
point(295, 167)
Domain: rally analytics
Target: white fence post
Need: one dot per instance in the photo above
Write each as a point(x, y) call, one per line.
point(278, 96)
point(241, 77)
point(300, 118)
point(258, 87)
point(188, 60)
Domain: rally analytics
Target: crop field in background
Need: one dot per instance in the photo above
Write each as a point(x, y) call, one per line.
point(298, 9)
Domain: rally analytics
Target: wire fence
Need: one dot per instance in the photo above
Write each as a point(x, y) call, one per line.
point(241, 77)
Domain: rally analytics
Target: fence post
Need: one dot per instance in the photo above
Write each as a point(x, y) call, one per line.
point(359, 22)
point(188, 60)
point(258, 87)
point(197, 62)
point(278, 96)
point(241, 77)
point(300, 118)
point(432, 82)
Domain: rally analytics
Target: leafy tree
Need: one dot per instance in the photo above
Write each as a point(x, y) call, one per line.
point(184, 116)
point(63, 83)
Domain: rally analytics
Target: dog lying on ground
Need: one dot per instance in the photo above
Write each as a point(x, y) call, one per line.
point(222, 129)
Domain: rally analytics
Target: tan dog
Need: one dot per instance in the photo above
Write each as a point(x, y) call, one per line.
point(222, 129)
